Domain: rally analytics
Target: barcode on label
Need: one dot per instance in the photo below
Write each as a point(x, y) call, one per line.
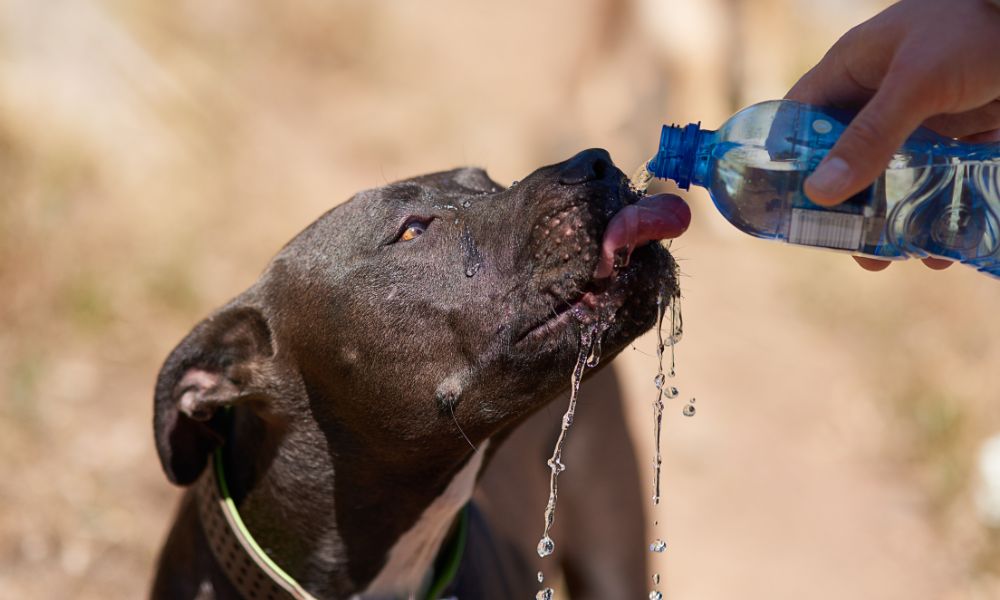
point(825, 229)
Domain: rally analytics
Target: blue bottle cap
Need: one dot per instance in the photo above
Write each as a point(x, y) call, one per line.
point(676, 157)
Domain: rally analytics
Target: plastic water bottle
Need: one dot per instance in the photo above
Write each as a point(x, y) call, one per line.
point(938, 196)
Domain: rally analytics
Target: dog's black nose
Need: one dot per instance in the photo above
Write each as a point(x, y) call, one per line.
point(589, 165)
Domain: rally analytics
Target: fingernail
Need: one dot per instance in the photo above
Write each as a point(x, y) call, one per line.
point(831, 178)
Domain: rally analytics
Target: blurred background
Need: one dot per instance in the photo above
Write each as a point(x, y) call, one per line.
point(154, 155)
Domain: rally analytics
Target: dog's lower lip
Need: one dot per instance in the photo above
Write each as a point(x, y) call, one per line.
point(585, 304)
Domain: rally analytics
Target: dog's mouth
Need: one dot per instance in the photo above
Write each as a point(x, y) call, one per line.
point(623, 297)
point(589, 306)
point(615, 267)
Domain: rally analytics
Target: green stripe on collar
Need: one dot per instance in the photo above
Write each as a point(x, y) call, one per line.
point(450, 557)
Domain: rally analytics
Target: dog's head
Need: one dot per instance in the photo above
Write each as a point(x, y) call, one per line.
point(436, 303)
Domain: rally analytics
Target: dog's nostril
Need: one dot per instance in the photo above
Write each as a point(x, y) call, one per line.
point(589, 165)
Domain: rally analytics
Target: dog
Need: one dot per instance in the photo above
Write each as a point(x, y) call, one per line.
point(333, 420)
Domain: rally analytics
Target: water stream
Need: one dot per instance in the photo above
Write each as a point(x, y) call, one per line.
point(640, 181)
point(589, 356)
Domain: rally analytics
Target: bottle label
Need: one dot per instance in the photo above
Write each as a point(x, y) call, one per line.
point(826, 229)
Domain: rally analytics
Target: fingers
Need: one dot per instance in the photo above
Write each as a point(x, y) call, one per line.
point(938, 264)
point(984, 137)
point(863, 152)
point(985, 119)
point(872, 264)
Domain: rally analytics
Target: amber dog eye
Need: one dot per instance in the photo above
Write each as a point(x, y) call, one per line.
point(412, 230)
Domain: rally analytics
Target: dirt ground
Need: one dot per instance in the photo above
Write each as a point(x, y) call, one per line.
point(154, 155)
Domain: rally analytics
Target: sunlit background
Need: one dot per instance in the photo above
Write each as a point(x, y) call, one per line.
point(154, 155)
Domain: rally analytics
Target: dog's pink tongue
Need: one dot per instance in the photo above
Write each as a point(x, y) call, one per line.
point(659, 217)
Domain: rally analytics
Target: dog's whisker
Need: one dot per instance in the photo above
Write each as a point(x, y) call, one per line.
point(451, 408)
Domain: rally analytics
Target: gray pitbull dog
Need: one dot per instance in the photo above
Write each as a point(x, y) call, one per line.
point(362, 400)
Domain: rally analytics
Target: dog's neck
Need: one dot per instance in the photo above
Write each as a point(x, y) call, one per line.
point(345, 521)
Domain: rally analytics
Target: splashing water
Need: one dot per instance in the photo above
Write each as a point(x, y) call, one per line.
point(655, 595)
point(658, 545)
point(545, 594)
point(587, 336)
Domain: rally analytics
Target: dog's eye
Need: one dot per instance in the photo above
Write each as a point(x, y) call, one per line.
point(412, 230)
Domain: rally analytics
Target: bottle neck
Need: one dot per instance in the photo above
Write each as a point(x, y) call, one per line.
point(677, 155)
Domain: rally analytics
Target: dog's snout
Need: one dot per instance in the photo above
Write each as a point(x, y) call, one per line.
point(589, 165)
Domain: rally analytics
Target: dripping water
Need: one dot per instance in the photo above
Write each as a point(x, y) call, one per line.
point(546, 545)
point(640, 181)
point(588, 357)
point(689, 409)
point(595, 353)
point(658, 400)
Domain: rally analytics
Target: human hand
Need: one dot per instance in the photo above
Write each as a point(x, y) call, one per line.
point(919, 62)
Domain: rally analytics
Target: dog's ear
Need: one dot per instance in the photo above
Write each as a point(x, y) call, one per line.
point(224, 361)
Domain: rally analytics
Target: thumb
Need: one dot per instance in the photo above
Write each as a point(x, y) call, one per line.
point(864, 150)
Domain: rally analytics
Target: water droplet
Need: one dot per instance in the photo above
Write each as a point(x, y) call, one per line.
point(557, 465)
point(545, 594)
point(541, 577)
point(692, 400)
point(514, 183)
point(471, 270)
point(689, 410)
point(546, 546)
point(658, 380)
point(671, 392)
point(658, 545)
point(655, 595)
point(656, 578)
point(466, 204)
point(595, 354)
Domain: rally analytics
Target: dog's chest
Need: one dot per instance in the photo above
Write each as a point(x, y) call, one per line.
point(410, 558)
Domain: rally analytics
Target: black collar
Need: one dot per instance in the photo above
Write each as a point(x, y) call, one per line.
point(255, 575)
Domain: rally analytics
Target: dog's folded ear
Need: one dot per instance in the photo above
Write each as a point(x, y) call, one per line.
point(226, 360)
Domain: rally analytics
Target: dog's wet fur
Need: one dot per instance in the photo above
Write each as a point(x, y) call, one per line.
point(348, 386)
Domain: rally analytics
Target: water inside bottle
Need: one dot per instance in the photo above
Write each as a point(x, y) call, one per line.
point(948, 209)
